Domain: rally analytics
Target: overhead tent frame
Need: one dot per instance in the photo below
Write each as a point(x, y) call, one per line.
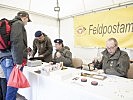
point(31, 12)
point(128, 3)
point(78, 14)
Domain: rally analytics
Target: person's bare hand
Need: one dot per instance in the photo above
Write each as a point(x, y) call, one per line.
point(58, 54)
point(18, 66)
point(51, 63)
point(91, 66)
point(100, 71)
point(40, 55)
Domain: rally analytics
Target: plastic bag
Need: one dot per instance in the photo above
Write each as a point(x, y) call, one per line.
point(17, 79)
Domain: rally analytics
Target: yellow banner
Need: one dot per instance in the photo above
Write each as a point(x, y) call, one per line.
point(92, 30)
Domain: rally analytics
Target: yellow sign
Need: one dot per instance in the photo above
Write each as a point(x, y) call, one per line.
point(92, 30)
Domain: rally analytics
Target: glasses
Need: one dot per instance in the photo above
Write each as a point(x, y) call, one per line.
point(110, 48)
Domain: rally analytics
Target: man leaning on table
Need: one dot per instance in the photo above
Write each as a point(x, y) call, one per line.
point(42, 44)
point(114, 61)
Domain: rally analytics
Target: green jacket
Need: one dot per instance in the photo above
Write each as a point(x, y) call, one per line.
point(44, 48)
point(66, 57)
point(117, 64)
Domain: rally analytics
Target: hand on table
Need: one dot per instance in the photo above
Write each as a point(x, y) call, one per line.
point(100, 71)
point(51, 63)
point(40, 55)
point(91, 66)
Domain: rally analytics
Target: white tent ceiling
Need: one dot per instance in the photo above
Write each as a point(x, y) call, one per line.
point(67, 7)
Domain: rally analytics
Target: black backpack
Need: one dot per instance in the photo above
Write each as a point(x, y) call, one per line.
point(5, 30)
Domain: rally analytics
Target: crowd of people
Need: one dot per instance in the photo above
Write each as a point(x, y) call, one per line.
point(114, 61)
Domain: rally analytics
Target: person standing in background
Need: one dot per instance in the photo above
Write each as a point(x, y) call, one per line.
point(18, 52)
point(42, 44)
point(3, 85)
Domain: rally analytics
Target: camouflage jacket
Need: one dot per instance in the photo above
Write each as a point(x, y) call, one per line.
point(44, 48)
point(66, 57)
point(117, 64)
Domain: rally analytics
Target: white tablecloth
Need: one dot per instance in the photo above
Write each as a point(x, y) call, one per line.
point(59, 85)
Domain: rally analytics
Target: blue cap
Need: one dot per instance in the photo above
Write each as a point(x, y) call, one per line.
point(38, 33)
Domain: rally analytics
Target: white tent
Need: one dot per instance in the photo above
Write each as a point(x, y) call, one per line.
point(60, 24)
point(67, 7)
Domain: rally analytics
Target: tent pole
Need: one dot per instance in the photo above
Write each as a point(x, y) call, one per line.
point(57, 8)
point(58, 24)
point(58, 17)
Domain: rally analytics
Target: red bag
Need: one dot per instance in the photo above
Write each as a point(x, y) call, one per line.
point(17, 79)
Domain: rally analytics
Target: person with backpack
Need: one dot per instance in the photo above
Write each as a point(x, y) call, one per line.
point(3, 85)
point(17, 52)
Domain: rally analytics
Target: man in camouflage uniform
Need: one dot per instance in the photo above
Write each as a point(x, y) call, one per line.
point(114, 61)
point(43, 45)
point(62, 53)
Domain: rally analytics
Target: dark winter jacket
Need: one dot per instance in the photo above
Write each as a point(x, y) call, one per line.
point(66, 57)
point(18, 40)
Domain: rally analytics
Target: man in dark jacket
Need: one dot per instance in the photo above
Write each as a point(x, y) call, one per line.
point(18, 51)
point(62, 53)
point(43, 45)
point(114, 61)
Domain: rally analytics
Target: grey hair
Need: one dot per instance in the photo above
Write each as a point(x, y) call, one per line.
point(115, 41)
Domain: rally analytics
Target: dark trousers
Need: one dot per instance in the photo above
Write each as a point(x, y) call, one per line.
point(3, 88)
